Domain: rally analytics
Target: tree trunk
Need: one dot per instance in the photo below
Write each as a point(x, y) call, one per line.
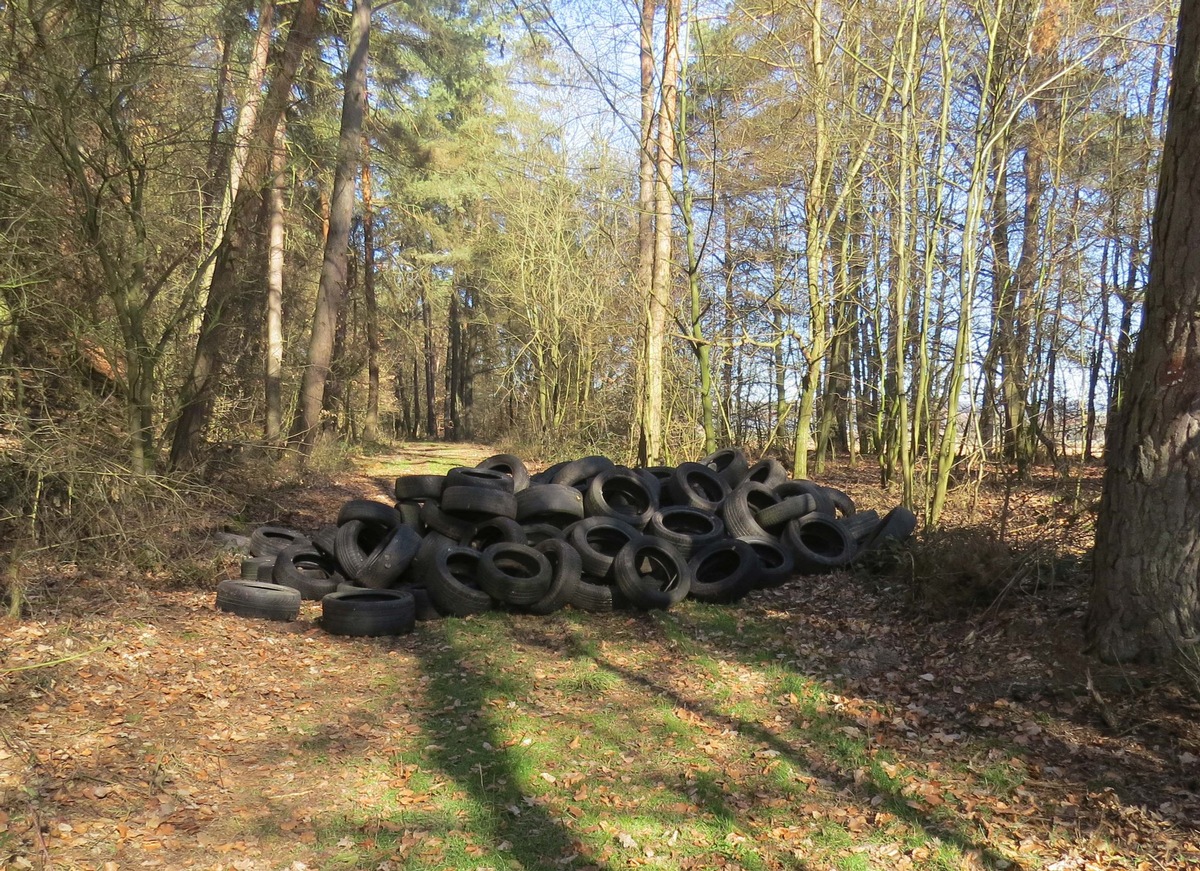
point(430, 362)
point(274, 355)
point(341, 212)
point(1146, 593)
point(371, 305)
point(228, 273)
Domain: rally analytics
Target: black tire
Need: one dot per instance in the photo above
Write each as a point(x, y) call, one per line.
point(270, 540)
point(410, 514)
point(368, 613)
point(546, 476)
point(256, 599)
point(557, 504)
point(724, 572)
point(478, 503)
point(515, 574)
point(740, 511)
point(599, 540)
point(653, 484)
point(596, 594)
point(251, 565)
point(686, 529)
point(387, 563)
point(511, 465)
point(451, 582)
point(498, 529)
point(819, 543)
point(425, 609)
point(767, 471)
point(423, 562)
point(369, 511)
point(579, 471)
point(419, 487)
point(698, 486)
point(862, 524)
point(566, 568)
point(441, 522)
point(619, 493)
point(356, 541)
point(537, 533)
point(302, 567)
point(776, 565)
point(651, 574)
point(464, 476)
point(897, 525)
point(326, 540)
point(266, 571)
point(840, 500)
point(730, 463)
point(773, 517)
point(788, 489)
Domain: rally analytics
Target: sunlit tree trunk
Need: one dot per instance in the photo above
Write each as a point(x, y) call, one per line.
point(341, 213)
point(274, 355)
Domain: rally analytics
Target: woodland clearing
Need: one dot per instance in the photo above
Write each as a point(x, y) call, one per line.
point(837, 722)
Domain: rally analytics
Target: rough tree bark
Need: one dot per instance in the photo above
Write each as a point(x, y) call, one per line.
point(1146, 594)
point(333, 270)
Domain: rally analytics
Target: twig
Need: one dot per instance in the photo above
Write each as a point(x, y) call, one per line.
point(1106, 714)
point(79, 655)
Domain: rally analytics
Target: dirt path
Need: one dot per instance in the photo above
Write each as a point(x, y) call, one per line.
point(804, 728)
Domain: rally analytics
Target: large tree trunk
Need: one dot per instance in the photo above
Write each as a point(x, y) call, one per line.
point(229, 271)
point(371, 306)
point(647, 153)
point(1146, 595)
point(274, 351)
point(333, 270)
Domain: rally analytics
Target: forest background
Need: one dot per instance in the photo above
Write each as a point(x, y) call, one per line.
point(233, 233)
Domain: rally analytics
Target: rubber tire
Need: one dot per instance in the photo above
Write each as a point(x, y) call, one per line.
point(368, 613)
point(670, 524)
point(326, 541)
point(511, 465)
point(566, 568)
point(410, 514)
point(820, 544)
point(549, 503)
point(597, 595)
point(841, 500)
point(537, 533)
point(425, 609)
point(431, 543)
point(653, 484)
point(897, 525)
point(724, 572)
point(730, 463)
point(620, 493)
point(270, 540)
point(464, 476)
point(527, 584)
point(788, 489)
point(767, 471)
point(776, 565)
point(387, 563)
point(369, 511)
point(356, 542)
point(697, 485)
point(478, 503)
point(608, 532)
point(862, 525)
point(450, 582)
point(251, 565)
point(584, 469)
point(439, 521)
point(304, 568)
point(668, 581)
point(257, 599)
point(419, 487)
point(740, 511)
point(494, 531)
point(774, 517)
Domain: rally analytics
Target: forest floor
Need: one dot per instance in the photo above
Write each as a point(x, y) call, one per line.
point(831, 723)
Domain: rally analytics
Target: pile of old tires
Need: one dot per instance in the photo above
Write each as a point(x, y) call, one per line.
point(586, 533)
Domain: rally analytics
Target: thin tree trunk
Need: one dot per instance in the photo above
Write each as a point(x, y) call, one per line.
point(199, 390)
point(647, 155)
point(274, 355)
point(371, 313)
point(341, 212)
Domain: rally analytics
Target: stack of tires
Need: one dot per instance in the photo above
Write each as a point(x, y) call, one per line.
point(587, 533)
